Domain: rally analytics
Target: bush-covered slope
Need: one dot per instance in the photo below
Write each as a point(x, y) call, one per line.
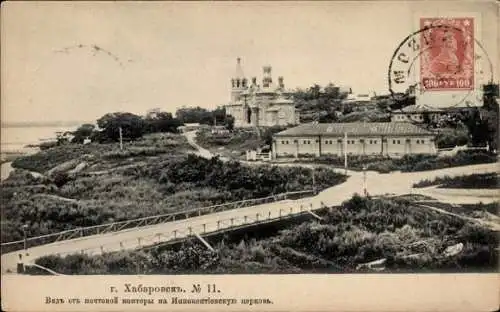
point(360, 231)
point(146, 186)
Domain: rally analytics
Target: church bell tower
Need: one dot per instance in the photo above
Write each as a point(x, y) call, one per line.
point(238, 83)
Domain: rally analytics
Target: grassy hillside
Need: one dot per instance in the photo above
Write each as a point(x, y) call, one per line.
point(362, 230)
point(407, 163)
point(139, 181)
point(234, 144)
point(472, 181)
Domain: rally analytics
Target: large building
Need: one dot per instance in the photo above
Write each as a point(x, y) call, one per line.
point(356, 138)
point(417, 114)
point(254, 105)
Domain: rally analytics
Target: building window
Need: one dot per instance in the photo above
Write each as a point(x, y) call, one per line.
point(418, 141)
point(422, 141)
point(371, 142)
point(374, 141)
point(399, 142)
point(286, 142)
point(393, 141)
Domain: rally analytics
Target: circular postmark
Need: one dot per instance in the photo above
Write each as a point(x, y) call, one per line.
point(442, 58)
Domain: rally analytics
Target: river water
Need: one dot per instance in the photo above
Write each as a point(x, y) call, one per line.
point(14, 141)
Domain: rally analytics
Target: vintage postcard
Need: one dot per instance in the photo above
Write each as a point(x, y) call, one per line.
point(235, 156)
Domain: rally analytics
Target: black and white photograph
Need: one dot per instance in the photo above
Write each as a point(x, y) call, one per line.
point(236, 138)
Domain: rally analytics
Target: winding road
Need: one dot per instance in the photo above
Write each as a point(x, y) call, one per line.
point(396, 183)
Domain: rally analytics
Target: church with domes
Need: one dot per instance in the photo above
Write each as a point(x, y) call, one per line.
point(260, 105)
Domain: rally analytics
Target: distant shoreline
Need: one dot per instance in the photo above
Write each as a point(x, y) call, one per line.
point(43, 124)
point(9, 156)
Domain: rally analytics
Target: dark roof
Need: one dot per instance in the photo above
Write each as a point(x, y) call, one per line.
point(355, 129)
point(417, 109)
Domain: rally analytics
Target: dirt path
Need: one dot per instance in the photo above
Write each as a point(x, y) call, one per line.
point(190, 136)
point(6, 170)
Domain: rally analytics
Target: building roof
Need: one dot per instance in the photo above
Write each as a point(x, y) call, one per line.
point(265, 91)
point(273, 109)
point(282, 100)
point(417, 109)
point(355, 129)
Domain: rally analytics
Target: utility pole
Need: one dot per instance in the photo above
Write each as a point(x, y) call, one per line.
point(345, 152)
point(25, 228)
point(121, 138)
point(313, 181)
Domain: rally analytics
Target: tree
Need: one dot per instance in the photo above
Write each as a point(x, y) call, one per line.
point(314, 91)
point(331, 91)
point(161, 122)
point(83, 132)
point(194, 115)
point(229, 123)
point(133, 126)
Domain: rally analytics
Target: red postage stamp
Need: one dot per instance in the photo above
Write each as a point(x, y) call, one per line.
point(447, 58)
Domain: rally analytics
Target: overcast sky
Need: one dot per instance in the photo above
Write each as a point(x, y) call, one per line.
point(168, 55)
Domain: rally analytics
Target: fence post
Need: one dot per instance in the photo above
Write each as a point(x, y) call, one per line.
point(175, 233)
point(139, 241)
point(269, 216)
point(81, 232)
point(245, 219)
point(204, 227)
point(102, 249)
point(301, 207)
point(291, 209)
point(218, 224)
point(232, 221)
point(190, 230)
point(257, 217)
point(311, 206)
point(280, 213)
point(159, 237)
point(121, 245)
